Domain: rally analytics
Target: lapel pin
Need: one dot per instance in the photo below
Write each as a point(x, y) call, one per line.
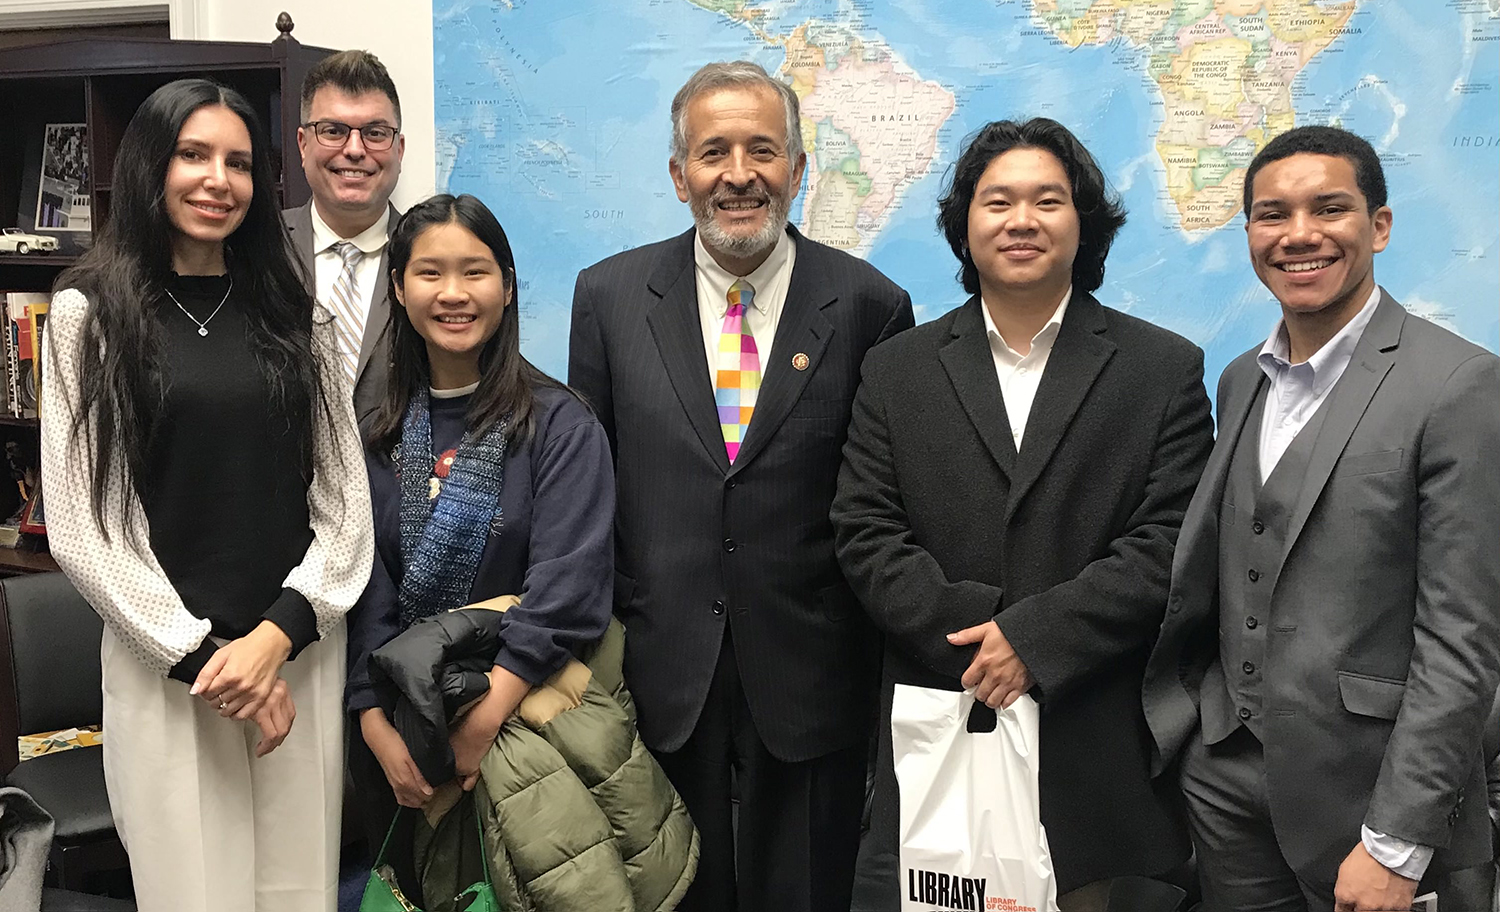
point(800, 361)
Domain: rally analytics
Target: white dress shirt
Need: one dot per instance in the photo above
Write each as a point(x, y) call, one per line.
point(1020, 375)
point(327, 264)
point(1297, 392)
point(770, 280)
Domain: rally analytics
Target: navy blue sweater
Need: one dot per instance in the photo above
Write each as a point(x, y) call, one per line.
point(555, 547)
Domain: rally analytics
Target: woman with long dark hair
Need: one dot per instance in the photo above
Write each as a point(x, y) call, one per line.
point(488, 478)
point(200, 464)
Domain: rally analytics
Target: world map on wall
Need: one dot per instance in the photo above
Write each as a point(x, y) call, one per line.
point(556, 115)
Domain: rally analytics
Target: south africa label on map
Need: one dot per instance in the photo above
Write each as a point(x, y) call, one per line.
point(556, 114)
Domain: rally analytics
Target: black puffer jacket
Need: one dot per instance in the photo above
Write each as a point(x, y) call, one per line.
point(427, 674)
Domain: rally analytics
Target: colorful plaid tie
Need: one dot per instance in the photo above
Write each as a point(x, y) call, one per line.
point(737, 377)
point(348, 316)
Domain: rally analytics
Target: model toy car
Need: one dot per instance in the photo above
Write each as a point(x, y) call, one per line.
point(14, 240)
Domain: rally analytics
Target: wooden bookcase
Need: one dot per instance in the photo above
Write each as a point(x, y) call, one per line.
point(100, 83)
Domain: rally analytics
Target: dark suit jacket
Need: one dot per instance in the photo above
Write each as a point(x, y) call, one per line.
point(942, 525)
point(374, 354)
point(700, 543)
point(1384, 652)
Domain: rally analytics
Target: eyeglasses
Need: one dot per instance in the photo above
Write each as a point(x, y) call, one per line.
point(335, 133)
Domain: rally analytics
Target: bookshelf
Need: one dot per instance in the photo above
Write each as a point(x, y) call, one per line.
point(99, 82)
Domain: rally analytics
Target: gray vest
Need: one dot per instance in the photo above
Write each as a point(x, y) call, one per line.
point(1252, 541)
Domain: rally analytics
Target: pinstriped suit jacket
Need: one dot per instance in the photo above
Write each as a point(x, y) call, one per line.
point(701, 544)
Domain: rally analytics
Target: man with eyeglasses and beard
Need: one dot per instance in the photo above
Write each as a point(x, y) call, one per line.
point(723, 363)
point(351, 146)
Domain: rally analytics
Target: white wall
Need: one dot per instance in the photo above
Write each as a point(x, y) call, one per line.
point(399, 32)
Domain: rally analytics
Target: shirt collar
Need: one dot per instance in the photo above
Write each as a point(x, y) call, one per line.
point(1044, 336)
point(760, 278)
point(369, 241)
point(1328, 362)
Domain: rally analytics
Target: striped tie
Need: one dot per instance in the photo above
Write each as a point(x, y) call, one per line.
point(349, 316)
point(737, 376)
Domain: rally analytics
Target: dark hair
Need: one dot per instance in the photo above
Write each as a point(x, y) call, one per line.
point(1100, 213)
point(354, 72)
point(1368, 175)
point(124, 277)
point(507, 381)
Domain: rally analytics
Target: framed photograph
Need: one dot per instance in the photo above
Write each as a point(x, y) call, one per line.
point(63, 195)
point(32, 517)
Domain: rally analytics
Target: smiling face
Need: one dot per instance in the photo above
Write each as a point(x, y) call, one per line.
point(455, 294)
point(737, 178)
point(1313, 238)
point(1023, 226)
point(351, 183)
point(208, 186)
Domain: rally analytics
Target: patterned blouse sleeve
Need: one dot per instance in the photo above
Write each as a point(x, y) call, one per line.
point(333, 573)
point(118, 574)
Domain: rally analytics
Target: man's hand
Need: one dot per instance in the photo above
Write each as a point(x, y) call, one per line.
point(238, 677)
point(1366, 884)
point(275, 718)
point(997, 673)
point(400, 769)
point(476, 731)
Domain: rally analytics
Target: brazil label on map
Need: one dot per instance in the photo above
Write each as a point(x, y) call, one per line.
point(556, 114)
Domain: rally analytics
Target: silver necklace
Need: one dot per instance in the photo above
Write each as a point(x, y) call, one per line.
point(202, 324)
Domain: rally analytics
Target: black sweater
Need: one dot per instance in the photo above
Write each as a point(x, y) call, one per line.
point(225, 489)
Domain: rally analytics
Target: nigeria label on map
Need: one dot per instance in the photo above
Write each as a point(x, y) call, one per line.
point(556, 114)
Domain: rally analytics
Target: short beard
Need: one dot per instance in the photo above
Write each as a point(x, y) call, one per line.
point(778, 206)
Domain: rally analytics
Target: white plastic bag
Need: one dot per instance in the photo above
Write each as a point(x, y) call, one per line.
point(971, 831)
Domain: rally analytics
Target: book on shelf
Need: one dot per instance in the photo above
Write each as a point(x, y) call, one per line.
point(26, 314)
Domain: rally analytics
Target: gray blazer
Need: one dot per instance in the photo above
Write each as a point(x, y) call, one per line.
point(1384, 654)
point(374, 354)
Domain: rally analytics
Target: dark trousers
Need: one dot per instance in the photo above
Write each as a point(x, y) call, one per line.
point(1239, 863)
point(377, 809)
point(791, 846)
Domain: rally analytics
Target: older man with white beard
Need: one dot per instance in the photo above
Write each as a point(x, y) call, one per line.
point(723, 363)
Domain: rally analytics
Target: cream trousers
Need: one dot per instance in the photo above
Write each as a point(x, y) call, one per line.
point(208, 826)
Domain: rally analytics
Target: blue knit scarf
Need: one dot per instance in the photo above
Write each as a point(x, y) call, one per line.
point(442, 540)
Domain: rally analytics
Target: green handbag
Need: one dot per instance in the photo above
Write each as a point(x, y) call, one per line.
point(383, 895)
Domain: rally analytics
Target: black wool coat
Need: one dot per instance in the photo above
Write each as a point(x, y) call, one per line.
point(941, 524)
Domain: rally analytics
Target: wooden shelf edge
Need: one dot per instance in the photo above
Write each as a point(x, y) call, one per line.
point(32, 259)
point(14, 561)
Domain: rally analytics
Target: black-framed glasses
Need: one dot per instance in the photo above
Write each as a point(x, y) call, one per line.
point(375, 136)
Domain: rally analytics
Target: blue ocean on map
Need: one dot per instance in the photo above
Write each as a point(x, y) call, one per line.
point(556, 114)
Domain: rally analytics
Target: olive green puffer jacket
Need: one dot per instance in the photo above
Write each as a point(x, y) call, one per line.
point(577, 815)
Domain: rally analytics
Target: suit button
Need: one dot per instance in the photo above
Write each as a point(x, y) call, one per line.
point(1244, 712)
point(1251, 622)
point(1175, 607)
point(731, 484)
point(1249, 668)
point(729, 544)
point(1253, 574)
point(1257, 527)
point(718, 607)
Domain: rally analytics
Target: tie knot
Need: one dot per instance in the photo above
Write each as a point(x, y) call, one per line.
point(347, 252)
point(741, 294)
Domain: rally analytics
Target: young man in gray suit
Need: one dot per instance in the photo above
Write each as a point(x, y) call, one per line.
point(722, 363)
point(1332, 639)
point(351, 146)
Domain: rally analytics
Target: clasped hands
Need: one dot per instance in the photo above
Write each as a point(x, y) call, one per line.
point(470, 739)
point(997, 674)
point(242, 680)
